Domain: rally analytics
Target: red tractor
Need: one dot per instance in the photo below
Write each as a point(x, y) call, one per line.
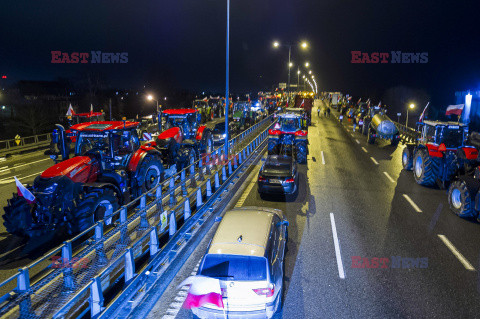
point(109, 168)
point(440, 153)
point(289, 136)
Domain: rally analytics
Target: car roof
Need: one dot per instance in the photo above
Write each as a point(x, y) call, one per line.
point(99, 126)
point(437, 123)
point(179, 111)
point(252, 224)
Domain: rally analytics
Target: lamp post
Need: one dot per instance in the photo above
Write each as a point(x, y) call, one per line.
point(411, 106)
point(227, 78)
point(298, 78)
point(150, 98)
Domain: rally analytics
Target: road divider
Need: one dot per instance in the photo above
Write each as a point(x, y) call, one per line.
point(412, 203)
point(456, 253)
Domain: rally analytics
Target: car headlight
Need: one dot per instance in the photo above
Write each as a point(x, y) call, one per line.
point(224, 135)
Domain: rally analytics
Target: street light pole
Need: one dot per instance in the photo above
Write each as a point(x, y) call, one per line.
point(298, 78)
point(226, 78)
point(289, 67)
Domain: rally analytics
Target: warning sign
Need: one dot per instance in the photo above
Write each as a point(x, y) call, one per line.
point(18, 139)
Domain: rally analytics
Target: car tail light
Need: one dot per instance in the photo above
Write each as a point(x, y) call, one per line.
point(261, 179)
point(301, 133)
point(274, 132)
point(290, 180)
point(267, 292)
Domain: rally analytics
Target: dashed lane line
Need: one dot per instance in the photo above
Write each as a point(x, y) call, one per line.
point(358, 142)
point(412, 203)
point(323, 158)
point(389, 177)
point(456, 253)
point(364, 149)
point(341, 271)
point(374, 160)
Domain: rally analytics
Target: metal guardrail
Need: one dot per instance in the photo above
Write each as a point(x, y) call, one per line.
point(106, 252)
point(26, 143)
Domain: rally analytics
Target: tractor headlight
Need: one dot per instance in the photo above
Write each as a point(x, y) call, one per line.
point(51, 188)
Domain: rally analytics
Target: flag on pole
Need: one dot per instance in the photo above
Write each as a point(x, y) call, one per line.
point(70, 111)
point(422, 116)
point(359, 100)
point(91, 108)
point(202, 290)
point(303, 103)
point(24, 192)
point(455, 109)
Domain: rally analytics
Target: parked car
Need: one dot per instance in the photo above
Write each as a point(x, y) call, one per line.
point(218, 132)
point(278, 175)
point(246, 254)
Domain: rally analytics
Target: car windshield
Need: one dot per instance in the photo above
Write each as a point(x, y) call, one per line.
point(88, 141)
point(235, 267)
point(275, 165)
point(174, 120)
point(219, 128)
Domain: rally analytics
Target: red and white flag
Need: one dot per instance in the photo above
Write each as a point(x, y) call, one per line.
point(455, 109)
point(70, 111)
point(303, 103)
point(91, 108)
point(380, 104)
point(422, 116)
point(24, 192)
point(202, 290)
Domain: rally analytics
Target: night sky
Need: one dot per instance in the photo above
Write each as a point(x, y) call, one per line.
point(181, 44)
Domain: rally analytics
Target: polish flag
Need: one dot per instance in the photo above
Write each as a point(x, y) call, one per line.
point(380, 104)
point(202, 290)
point(303, 103)
point(422, 116)
point(24, 192)
point(91, 108)
point(455, 109)
point(70, 111)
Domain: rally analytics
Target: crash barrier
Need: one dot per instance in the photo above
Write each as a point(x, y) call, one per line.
point(78, 278)
point(15, 146)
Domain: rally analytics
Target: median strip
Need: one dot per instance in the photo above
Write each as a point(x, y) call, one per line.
point(410, 201)
point(341, 272)
point(457, 254)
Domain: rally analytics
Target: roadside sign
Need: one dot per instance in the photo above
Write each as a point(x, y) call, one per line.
point(18, 139)
point(282, 85)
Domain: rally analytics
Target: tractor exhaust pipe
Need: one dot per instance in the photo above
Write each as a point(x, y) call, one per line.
point(62, 142)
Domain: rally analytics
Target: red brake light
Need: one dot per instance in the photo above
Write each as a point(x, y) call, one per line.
point(301, 133)
point(442, 148)
point(290, 180)
point(274, 132)
point(267, 292)
point(261, 179)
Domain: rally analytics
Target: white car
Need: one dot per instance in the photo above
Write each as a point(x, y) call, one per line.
point(246, 255)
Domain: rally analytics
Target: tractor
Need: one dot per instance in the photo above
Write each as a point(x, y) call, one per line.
point(289, 133)
point(109, 168)
point(440, 153)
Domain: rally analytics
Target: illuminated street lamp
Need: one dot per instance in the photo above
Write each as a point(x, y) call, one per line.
point(290, 64)
point(307, 64)
point(150, 98)
point(411, 106)
point(304, 45)
point(310, 72)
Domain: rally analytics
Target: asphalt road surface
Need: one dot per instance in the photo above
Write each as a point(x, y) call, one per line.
point(357, 207)
point(16, 252)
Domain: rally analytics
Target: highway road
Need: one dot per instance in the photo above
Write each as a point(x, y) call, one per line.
point(364, 239)
point(16, 252)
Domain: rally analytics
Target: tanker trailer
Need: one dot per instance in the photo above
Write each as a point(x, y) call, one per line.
point(382, 127)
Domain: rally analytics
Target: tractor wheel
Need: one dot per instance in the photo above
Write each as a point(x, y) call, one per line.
point(94, 206)
point(426, 168)
point(17, 217)
point(206, 144)
point(301, 152)
point(461, 196)
point(150, 174)
point(407, 159)
point(371, 138)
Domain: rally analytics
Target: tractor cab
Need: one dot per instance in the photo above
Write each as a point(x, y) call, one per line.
point(290, 123)
point(453, 135)
point(187, 120)
point(112, 143)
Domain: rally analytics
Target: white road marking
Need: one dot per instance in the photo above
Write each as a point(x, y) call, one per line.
point(21, 165)
point(389, 177)
point(412, 203)
point(374, 160)
point(341, 272)
point(457, 254)
point(9, 180)
point(245, 194)
point(364, 149)
point(323, 158)
point(358, 142)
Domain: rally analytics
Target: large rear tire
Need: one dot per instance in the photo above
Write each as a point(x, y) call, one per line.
point(17, 217)
point(407, 159)
point(150, 174)
point(461, 196)
point(426, 168)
